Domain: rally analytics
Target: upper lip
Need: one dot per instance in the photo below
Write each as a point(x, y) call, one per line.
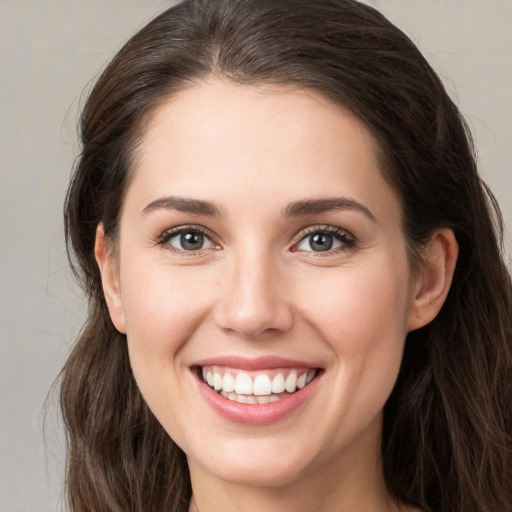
point(258, 363)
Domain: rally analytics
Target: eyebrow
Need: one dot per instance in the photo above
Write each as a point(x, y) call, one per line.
point(316, 206)
point(295, 209)
point(183, 204)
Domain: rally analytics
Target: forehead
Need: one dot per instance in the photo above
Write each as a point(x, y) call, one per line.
point(222, 138)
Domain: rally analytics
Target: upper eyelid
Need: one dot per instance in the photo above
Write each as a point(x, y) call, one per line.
point(322, 228)
point(187, 227)
point(171, 232)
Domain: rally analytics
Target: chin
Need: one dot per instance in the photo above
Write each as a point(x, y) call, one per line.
point(257, 462)
point(270, 474)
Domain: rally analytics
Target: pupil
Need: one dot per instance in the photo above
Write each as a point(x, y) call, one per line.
point(321, 242)
point(191, 241)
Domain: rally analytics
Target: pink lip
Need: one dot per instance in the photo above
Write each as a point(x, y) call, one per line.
point(257, 414)
point(259, 363)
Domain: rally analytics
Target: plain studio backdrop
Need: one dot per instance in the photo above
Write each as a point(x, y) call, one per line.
point(50, 51)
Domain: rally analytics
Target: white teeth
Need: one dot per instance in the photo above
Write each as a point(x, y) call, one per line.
point(262, 385)
point(291, 382)
point(301, 381)
point(262, 390)
point(278, 383)
point(228, 383)
point(243, 384)
point(229, 396)
point(217, 381)
point(249, 399)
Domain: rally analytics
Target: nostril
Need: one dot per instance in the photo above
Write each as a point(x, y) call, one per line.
point(254, 323)
point(253, 302)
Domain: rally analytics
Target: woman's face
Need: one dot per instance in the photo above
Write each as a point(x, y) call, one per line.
point(260, 249)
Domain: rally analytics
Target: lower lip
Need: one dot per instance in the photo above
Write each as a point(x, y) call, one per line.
point(257, 414)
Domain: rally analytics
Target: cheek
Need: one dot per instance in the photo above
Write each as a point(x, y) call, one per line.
point(162, 304)
point(163, 307)
point(360, 307)
point(363, 318)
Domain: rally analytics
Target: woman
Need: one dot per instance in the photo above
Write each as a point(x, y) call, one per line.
point(297, 296)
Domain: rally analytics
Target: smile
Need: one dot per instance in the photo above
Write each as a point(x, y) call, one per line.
point(256, 391)
point(256, 387)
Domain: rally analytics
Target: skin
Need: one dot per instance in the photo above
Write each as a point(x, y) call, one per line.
point(258, 289)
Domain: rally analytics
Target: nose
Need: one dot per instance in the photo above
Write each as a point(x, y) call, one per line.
point(254, 301)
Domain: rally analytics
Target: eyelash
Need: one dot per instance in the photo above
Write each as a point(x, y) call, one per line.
point(165, 238)
point(347, 240)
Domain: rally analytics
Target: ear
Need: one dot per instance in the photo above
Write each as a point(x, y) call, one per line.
point(433, 283)
point(110, 279)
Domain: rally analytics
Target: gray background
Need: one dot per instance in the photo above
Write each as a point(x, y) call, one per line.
point(49, 51)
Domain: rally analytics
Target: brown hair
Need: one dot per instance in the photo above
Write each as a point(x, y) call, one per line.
point(447, 426)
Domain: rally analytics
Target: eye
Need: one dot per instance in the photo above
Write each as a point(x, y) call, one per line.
point(188, 240)
point(324, 240)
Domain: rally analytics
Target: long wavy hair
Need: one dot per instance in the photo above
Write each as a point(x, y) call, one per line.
point(448, 423)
